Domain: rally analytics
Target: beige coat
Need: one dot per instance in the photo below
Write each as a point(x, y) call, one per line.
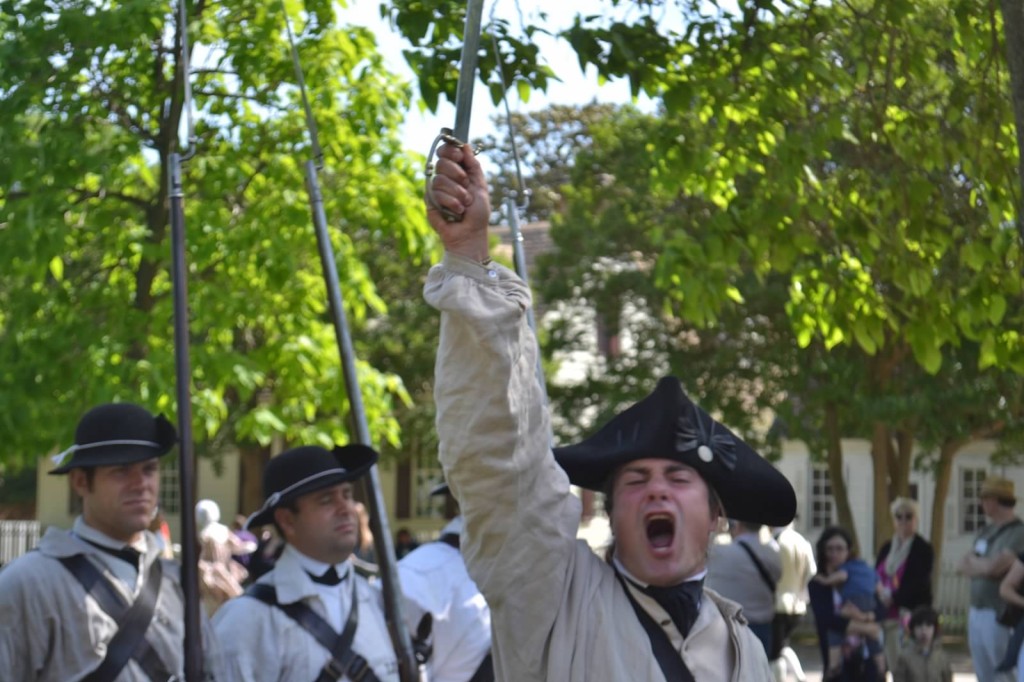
point(912, 665)
point(558, 611)
point(51, 632)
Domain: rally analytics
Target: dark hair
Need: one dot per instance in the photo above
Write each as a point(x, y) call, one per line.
point(290, 506)
point(826, 535)
point(923, 615)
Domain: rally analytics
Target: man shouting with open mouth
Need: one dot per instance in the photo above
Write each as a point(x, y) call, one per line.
point(669, 471)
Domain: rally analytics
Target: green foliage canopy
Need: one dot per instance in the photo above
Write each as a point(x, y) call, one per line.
point(91, 106)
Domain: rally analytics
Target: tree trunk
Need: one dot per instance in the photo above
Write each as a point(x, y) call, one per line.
point(881, 457)
point(1013, 28)
point(251, 462)
point(834, 451)
point(905, 457)
point(943, 478)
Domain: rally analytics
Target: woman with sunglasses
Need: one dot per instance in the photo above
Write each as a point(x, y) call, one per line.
point(904, 567)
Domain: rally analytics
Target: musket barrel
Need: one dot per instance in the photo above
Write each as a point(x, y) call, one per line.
point(186, 455)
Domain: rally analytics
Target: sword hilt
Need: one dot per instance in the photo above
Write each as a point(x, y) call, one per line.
point(446, 136)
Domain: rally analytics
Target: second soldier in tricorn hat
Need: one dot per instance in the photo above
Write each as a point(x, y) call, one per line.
point(49, 628)
point(311, 615)
point(558, 611)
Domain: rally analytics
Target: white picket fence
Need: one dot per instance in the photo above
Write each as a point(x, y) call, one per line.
point(16, 538)
point(952, 595)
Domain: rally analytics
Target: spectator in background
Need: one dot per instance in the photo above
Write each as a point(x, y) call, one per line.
point(857, 584)
point(404, 543)
point(365, 555)
point(904, 568)
point(798, 567)
point(833, 550)
point(247, 538)
point(220, 577)
point(995, 549)
point(922, 659)
point(158, 526)
point(1010, 592)
point(747, 571)
point(268, 549)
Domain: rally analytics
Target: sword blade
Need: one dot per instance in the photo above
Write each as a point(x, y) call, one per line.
point(467, 69)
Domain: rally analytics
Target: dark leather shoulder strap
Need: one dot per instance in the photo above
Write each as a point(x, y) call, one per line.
point(422, 643)
point(671, 663)
point(98, 587)
point(760, 566)
point(263, 592)
point(343, 661)
point(129, 642)
point(1005, 526)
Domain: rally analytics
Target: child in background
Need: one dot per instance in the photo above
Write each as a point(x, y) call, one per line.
point(856, 582)
point(922, 658)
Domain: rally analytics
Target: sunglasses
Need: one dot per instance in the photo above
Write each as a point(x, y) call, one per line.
point(903, 517)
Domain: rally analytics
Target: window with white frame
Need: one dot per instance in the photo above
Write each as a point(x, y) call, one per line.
point(170, 486)
point(822, 504)
point(972, 518)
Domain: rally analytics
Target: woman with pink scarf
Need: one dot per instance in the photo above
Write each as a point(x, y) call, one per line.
point(904, 568)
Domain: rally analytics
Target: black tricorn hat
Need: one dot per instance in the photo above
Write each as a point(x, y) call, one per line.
point(114, 434)
point(668, 425)
point(307, 469)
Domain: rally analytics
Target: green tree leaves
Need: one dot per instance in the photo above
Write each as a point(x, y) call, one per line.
point(91, 105)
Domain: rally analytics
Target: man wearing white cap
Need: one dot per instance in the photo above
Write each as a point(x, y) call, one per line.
point(667, 468)
point(97, 601)
point(311, 617)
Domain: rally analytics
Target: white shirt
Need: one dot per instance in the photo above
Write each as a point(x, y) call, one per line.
point(336, 598)
point(435, 581)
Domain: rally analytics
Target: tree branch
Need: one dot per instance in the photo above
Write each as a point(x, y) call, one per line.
point(112, 101)
point(84, 195)
point(258, 98)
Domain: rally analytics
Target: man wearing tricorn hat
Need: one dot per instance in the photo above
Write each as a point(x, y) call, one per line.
point(995, 548)
point(667, 467)
point(97, 601)
point(311, 617)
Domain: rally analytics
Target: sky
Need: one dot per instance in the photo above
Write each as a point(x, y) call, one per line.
point(577, 87)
